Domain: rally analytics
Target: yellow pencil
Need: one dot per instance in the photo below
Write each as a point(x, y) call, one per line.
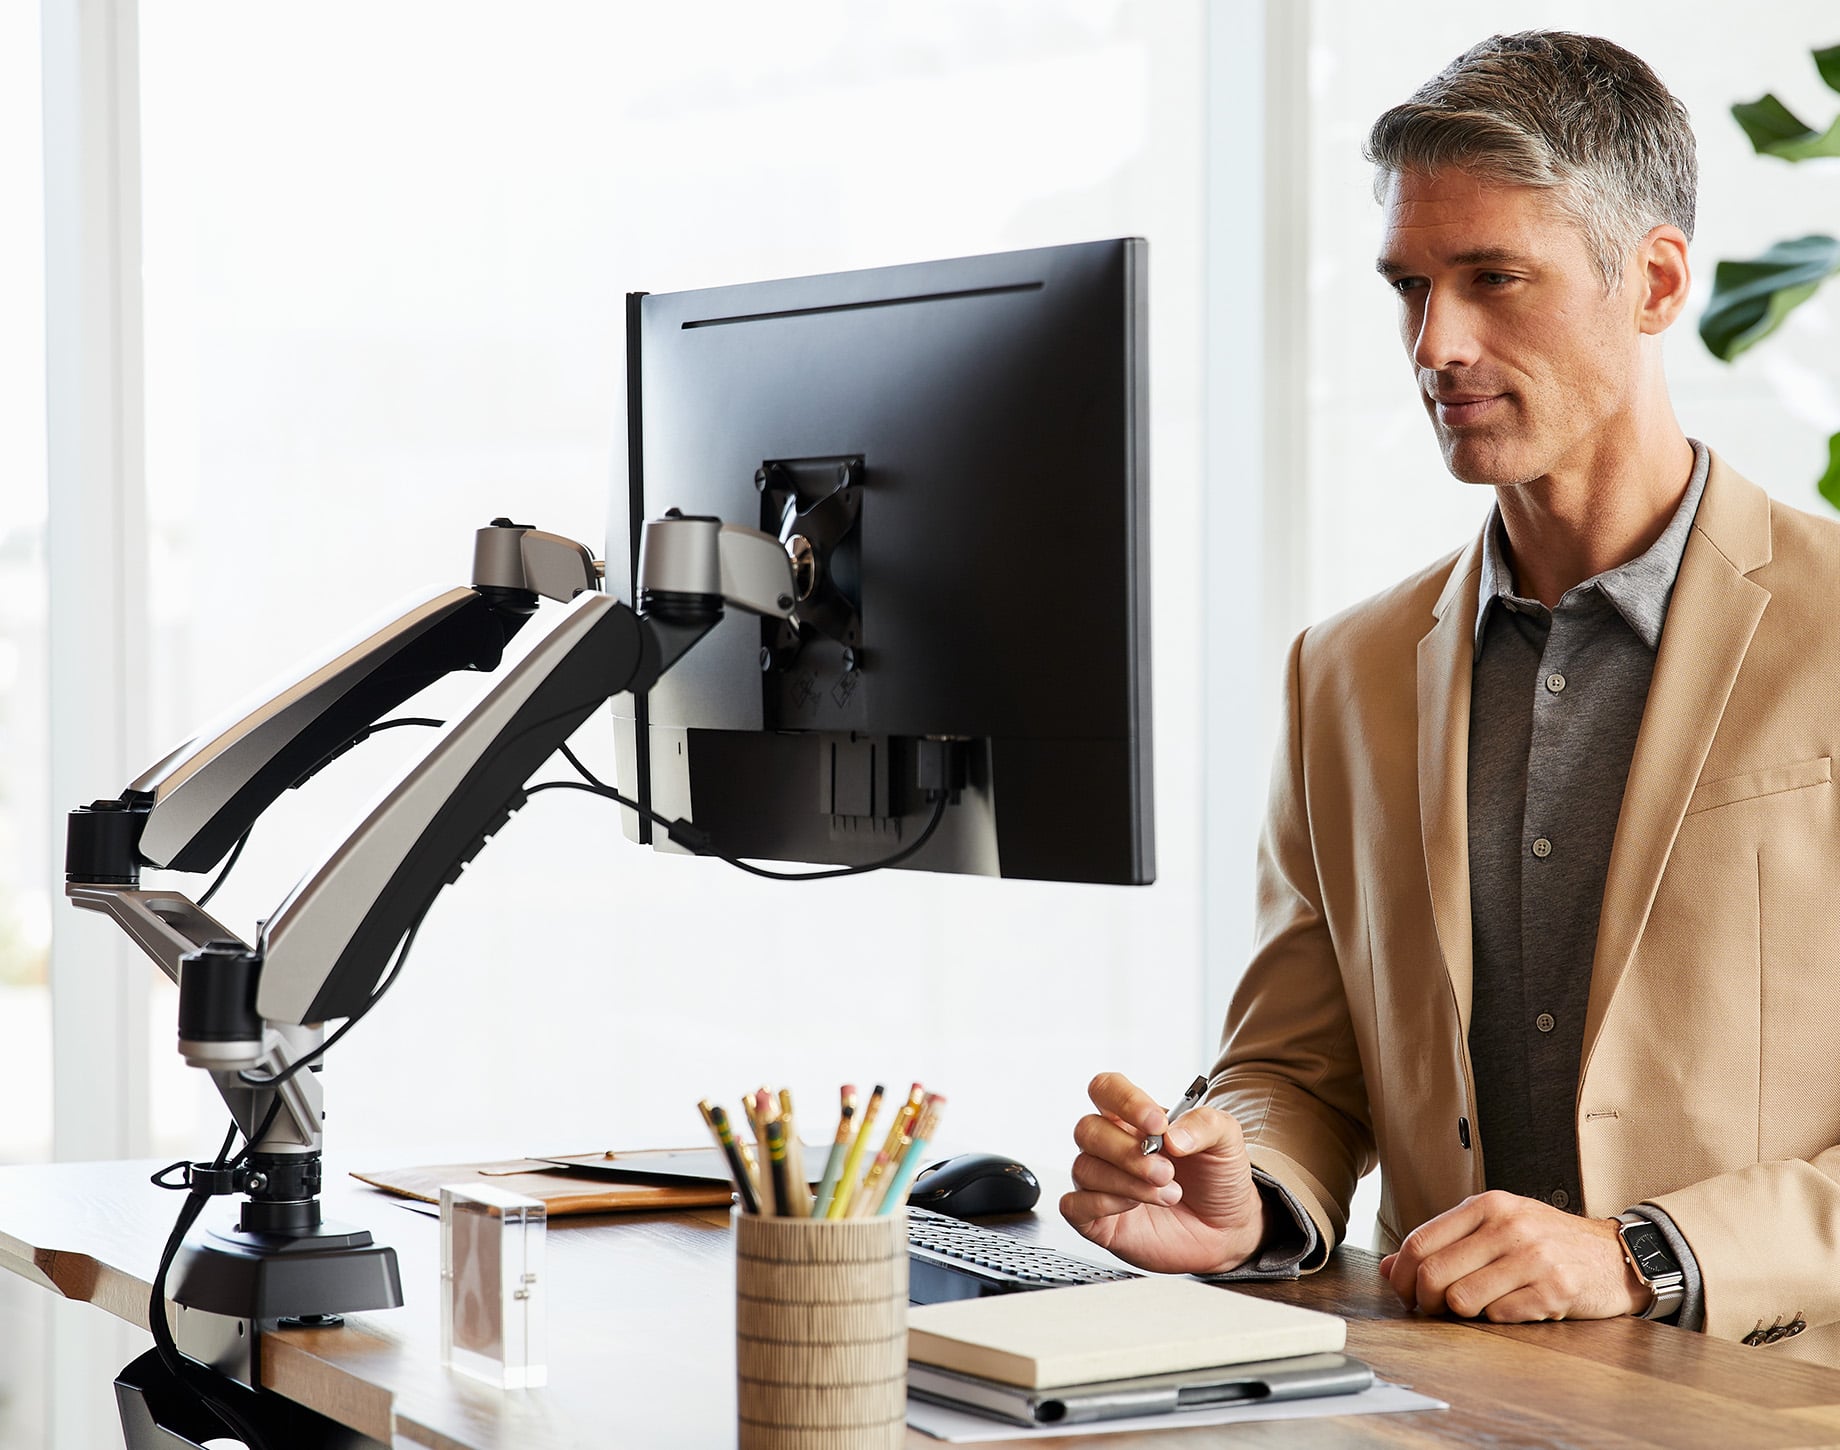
point(833, 1164)
point(901, 1176)
point(845, 1195)
point(870, 1193)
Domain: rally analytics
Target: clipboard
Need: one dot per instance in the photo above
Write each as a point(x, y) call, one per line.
point(662, 1165)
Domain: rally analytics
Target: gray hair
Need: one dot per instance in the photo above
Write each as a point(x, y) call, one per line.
point(1571, 114)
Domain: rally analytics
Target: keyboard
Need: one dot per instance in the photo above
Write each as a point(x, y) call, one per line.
point(948, 1258)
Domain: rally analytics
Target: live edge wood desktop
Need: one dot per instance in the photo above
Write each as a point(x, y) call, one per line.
point(641, 1342)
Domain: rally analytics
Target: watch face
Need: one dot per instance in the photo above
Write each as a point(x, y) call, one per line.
point(1649, 1250)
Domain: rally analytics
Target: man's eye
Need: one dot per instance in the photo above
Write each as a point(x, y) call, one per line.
point(1496, 279)
point(1402, 285)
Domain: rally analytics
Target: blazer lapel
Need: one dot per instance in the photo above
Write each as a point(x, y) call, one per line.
point(1711, 618)
point(1445, 659)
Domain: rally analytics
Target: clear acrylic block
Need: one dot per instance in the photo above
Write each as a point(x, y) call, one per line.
point(492, 1284)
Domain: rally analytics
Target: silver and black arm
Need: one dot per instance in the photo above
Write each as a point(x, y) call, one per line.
point(326, 947)
point(322, 953)
point(187, 810)
point(252, 1015)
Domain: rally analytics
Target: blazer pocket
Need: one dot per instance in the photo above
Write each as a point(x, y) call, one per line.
point(1774, 780)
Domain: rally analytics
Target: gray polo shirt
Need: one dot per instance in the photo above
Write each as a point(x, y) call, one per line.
point(1556, 702)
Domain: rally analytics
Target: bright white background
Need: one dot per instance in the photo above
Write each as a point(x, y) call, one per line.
point(384, 252)
point(387, 305)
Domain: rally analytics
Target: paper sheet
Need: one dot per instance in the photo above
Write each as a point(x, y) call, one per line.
point(960, 1427)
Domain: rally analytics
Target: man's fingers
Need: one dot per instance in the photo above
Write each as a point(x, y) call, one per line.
point(1098, 1176)
point(1470, 1293)
point(1116, 1094)
point(1476, 1264)
point(1090, 1213)
point(1102, 1138)
point(1204, 1130)
point(1435, 1235)
point(1524, 1306)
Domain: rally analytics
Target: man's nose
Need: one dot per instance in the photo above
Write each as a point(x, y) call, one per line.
point(1446, 335)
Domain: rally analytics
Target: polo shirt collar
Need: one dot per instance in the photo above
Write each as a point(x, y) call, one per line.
point(1639, 590)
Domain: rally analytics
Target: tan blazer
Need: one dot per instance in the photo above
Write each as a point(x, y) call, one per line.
point(1710, 1082)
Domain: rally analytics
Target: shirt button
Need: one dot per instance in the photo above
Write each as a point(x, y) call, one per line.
point(1545, 1022)
point(1542, 848)
point(1555, 682)
point(1561, 1199)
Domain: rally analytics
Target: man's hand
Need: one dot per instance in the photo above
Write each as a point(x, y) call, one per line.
point(1511, 1259)
point(1191, 1209)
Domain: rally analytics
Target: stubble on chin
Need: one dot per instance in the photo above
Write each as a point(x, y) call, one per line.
point(1472, 460)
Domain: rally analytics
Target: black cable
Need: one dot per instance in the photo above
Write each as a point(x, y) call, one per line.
point(249, 1078)
point(586, 774)
point(235, 851)
point(396, 724)
point(203, 1383)
point(158, 1180)
point(686, 834)
point(261, 1132)
point(939, 814)
point(362, 735)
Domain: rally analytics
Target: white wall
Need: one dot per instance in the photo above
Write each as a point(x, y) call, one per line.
point(385, 305)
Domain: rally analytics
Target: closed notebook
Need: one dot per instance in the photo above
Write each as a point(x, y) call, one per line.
point(1091, 1332)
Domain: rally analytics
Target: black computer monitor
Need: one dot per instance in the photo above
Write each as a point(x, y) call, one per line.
point(956, 452)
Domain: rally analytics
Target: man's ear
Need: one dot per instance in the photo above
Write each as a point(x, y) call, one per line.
point(1664, 278)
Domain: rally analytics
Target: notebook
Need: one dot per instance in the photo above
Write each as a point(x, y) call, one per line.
point(1309, 1376)
point(1119, 1330)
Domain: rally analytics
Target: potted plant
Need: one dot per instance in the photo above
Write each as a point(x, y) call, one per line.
point(1751, 299)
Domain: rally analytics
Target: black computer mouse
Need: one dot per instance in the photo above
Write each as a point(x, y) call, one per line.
point(973, 1184)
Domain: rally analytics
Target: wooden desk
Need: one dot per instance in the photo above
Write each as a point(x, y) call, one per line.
point(641, 1331)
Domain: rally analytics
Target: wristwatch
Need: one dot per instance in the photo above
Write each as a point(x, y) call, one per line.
point(1648, 1255)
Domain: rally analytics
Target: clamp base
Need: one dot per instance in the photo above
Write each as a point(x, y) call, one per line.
point(331, 1269)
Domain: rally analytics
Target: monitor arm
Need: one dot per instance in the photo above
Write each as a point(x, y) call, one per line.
point(248, 1012)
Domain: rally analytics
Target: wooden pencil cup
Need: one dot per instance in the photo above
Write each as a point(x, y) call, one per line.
point(821, 1332)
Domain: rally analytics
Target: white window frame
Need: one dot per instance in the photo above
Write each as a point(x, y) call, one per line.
point(1255, 507)
point(97, 568)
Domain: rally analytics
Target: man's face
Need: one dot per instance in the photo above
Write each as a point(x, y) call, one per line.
point(1523, 363)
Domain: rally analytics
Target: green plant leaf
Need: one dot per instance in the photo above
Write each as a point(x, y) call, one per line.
point(1830, 481)
point(1827, 62)
point(1751, 299)
point(1775, 130)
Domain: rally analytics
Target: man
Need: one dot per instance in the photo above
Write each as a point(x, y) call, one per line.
point(1547, 919)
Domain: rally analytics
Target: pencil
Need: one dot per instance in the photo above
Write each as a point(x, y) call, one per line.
point(795, 1159)
point(895, 1198)
point(750, 1104)
point(776, 1155)
point(845, 1193)
point(731, 1150)
point(870, 1193)
point(833, 1164)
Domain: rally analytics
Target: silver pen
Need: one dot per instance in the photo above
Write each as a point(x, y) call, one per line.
point(1197, 1090)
